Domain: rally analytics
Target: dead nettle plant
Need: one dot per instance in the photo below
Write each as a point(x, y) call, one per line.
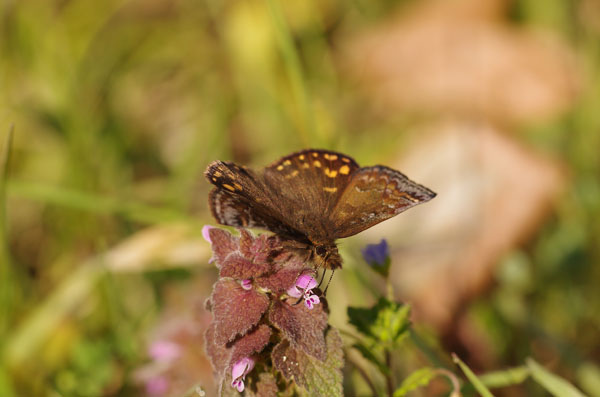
point(269, 332)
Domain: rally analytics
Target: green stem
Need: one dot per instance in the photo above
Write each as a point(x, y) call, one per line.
point(364, 375)
point(294, 70)
point(6, 276)
point(389, 382)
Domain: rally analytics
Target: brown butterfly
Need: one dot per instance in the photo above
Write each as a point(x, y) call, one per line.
point(311, 198)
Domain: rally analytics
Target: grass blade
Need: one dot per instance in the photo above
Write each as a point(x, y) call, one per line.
point(554, 384)
point(475, 381)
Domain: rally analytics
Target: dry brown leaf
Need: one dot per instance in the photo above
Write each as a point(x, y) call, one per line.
point(456, 58)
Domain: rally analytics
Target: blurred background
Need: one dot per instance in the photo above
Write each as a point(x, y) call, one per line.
point(119, 105)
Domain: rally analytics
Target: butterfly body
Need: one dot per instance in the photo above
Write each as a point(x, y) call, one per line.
point(311, 198)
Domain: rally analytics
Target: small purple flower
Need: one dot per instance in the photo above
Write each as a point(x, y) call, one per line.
point(303, 287)
point(246, 284)
point(239, 371)
point(378, 257)
point(164, 351)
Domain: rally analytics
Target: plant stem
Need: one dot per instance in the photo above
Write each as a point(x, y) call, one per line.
point(294, 69)
point(389, 382)
point(7, 283)
point(364, 375)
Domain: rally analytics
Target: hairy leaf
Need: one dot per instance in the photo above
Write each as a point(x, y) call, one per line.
point(223, 243)
point(282, 280)
point(251, 343)
point(312, 376)
point(235, 309)
point(217, 352)
point(303, 327)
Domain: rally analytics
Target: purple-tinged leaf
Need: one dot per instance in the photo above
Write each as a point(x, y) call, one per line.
point(223, 244)
point(281, 280)
point(303, 327)
point(251, 343)
point(240, 268)
point(312, 376)
point(235, 309)
point(219, 355)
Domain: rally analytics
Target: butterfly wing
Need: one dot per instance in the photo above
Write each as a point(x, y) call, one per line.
point(239, 199)
point(373, 195)
point(306, 187)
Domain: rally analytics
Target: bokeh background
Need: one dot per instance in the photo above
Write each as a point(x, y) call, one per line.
point(119, 105)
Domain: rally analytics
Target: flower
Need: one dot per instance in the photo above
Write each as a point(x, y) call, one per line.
point(378, 257)
point(205, 234)
point(164, 350)
point(246, 284)
point(157, 386)
point(303, 287)
point(239, 371)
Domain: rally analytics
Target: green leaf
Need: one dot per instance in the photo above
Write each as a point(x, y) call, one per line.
point(325, 378)
point(475, 381)
point(554, 384)
point(369, 354)
point(387, 322)
point(418, 378)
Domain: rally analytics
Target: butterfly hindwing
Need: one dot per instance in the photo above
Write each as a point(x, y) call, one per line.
point(232, 210)
point(241, 199)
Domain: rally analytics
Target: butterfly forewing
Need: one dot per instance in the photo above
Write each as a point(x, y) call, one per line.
point(306, 185)
point(373, 195)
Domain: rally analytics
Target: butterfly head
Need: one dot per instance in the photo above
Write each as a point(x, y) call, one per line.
point(327, 256)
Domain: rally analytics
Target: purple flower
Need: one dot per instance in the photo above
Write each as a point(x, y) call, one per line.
point(239, 371)
point(303, 287)
point(246, 284)
point(378, 257)
point(164, 351)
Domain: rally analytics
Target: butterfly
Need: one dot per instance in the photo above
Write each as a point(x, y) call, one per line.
point(311, 198)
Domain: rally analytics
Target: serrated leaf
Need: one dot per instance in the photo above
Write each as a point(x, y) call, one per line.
point(235, 309)
point(303, 327)
point(387, 322)
point(475, 381)
point(554, 384)
point(312, 376)
point(418, 378)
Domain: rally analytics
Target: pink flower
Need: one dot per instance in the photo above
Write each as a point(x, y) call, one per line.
point(246, 284)
point(205, 230)
point(157, 386)
point(239, 371)
point(164, 350)
point(303, 288)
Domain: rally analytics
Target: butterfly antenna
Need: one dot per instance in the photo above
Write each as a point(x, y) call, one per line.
point(322, 278)
point(328, 282)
